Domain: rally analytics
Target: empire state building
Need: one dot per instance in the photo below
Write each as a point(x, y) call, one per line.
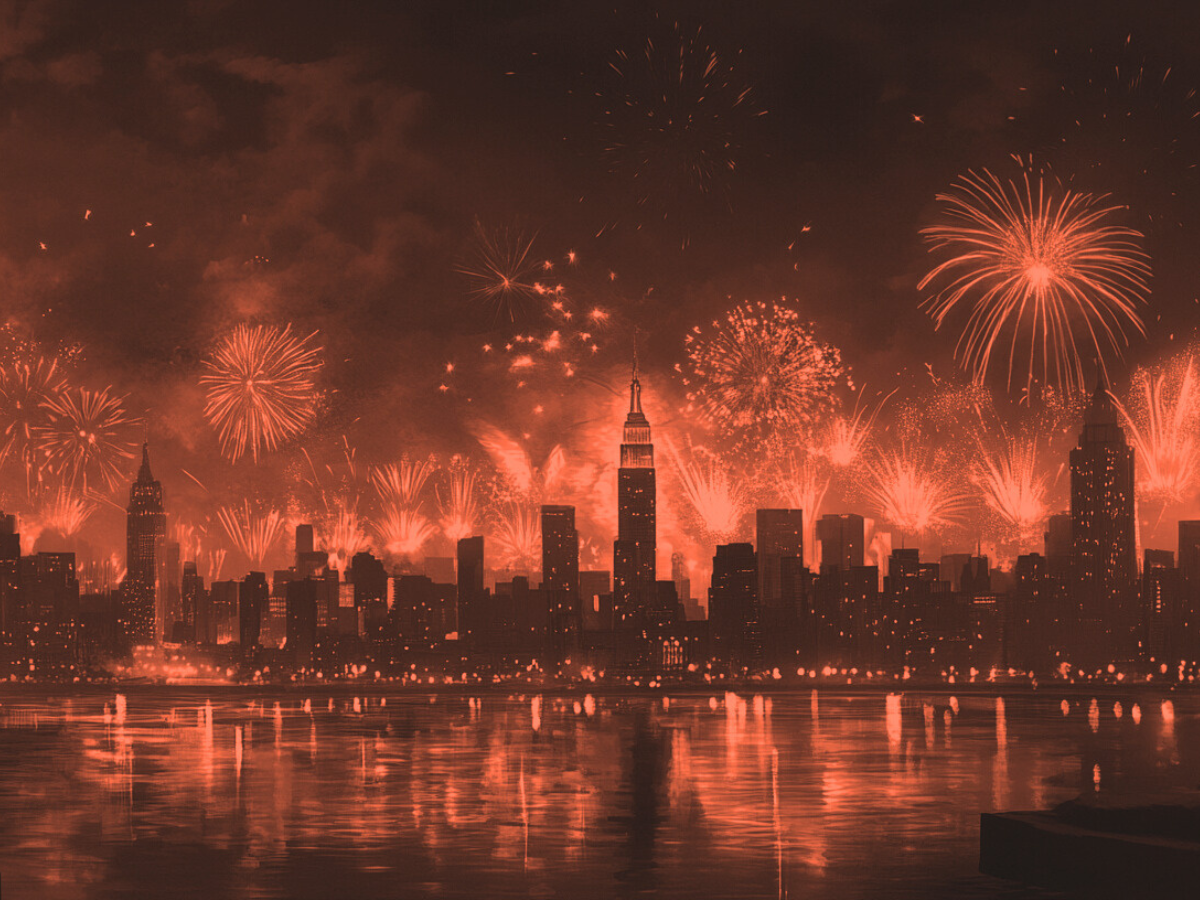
point(634, 571)
point(146, 529)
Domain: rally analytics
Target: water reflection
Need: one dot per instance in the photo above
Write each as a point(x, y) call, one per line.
point(813, 795)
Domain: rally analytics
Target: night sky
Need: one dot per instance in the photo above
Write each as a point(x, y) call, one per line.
point(334, 166)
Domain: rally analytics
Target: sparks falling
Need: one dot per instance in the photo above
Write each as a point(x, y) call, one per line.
point(911, 494)
point(1162, 418)
point(1040, 267)
point(718, 500)
point(1012, 486)
point(261, 388)
point(254, 533)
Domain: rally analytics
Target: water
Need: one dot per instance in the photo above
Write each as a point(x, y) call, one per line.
point(257, 794)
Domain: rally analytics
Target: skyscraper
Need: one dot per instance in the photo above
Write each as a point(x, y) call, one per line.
point(779, 535)
point(733, 609)
point(842, 539)
point(1102, 533)
point(634, 569)
point(146, 532)
point(560, 549)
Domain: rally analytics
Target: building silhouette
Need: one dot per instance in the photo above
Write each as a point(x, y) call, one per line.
point(634, 564)
point(146, 532)
point(1103, 549)
point(842, 538)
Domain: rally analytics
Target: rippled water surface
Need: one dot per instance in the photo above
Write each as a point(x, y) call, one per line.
point(232, 793)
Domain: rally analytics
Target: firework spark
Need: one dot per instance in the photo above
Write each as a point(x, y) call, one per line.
point(402, 483)
point(847, 435)
point(254, 533)
point(517, 537)
point(87, 437)
point(261, 388)
point(673, 121)
point(66, 513)
point(1011, 486)
point(804, 487)
point(501, 272)
point(1043, 264)
point(719, 500)
point(458, 510)
point(911, 494)
point(403, 532)
point(761, 375)
point(1162, 426)
point(344, 537)
point(25, 389)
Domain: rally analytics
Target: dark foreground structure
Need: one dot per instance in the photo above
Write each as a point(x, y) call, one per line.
point(1139, 846)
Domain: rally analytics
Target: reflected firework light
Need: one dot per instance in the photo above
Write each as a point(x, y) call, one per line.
point(260, 384)
point(1162, 417)
point(1040, 267)
point(761, 377)
point(87, 438)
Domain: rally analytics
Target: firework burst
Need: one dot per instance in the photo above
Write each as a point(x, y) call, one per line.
point(66, 513)
point(1162, 426)
point(673, 121)
point(87, 437)
point(1011, 485)
point(910, 493)
point(847, 434)
point(343, 537)
point(804, 487)
point(761, 376)
point(1046, 266)
point(25, 389)
point(403, 483)
point(502, 272)
point(517, 536)
point(254, 533)
point(719, 501)
point(457, 507)
point(261, 388)
point(403, 532)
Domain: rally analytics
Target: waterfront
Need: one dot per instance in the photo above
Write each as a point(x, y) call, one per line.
point(252, 793)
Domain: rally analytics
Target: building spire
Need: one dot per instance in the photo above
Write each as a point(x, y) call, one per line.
point(144, 472)
point(635, 386)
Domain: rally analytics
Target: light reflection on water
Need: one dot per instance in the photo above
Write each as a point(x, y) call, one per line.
point(242, 794)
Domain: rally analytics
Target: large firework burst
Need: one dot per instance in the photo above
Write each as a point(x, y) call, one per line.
point(1012, 486)
point(87, 437)
point(261, 388)
point(761, 376)
point(718, 499)
point(1043, 265)
point(25, 389)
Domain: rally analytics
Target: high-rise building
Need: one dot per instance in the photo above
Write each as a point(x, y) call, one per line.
point(472, 601)
point(560, 549)
point(842, 538)
point(146, 532)
point(634, 564)
point(733, 610)
point(253, 598)
point(1103, 547)
point(779, 535)
point(1189, 551)
point(1058, 542)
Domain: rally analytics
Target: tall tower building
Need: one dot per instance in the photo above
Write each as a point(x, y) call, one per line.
point(1103, 546)
point(560, 550)
point(146, 534)
point(842, 539)
point(779, 535)
point(634, 569)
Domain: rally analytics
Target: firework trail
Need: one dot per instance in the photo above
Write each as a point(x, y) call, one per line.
point(189, 539)
point(761, 376)
point(1043, 264)
point(847, 435)
point(672, 121)
point(402, 483)
point(911, 494)
point(1011, 486)
point(718, 500)
point(457, 507)
point(254, 534)
point(343, 537)
point(1162, 426)
point(261, 388)
point(66, 513)
point(517, 537)
point(87, 437)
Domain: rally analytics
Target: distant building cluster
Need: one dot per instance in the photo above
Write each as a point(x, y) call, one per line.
point(1082, 604)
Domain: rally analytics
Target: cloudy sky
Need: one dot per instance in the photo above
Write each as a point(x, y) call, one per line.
point(168, 170)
